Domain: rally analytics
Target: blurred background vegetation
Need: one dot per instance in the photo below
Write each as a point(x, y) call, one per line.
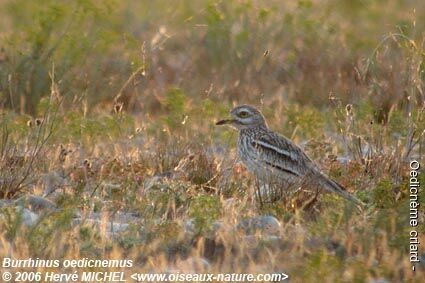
point(267, 52)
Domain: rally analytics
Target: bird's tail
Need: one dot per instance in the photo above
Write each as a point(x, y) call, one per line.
point(333, 186)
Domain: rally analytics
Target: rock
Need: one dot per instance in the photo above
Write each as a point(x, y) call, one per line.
point(111, 187)
point(116, 224)
point(193, 265)
point(265, 224)
point(189, 228)
point(231, 204)
point(51, 182)
point(158, 182)
point(422, 260)
point(343, 160)
point(5, 202)
point(257, 243)
point(111, 228)
point(29, 218)
point(35, 203)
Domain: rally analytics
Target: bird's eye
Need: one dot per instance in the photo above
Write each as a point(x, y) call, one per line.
point(243, 114)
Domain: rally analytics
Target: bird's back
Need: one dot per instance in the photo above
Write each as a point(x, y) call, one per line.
point(273, 158)
point(270, 155)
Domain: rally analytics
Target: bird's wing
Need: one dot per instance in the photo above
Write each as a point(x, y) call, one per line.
point(280, 153)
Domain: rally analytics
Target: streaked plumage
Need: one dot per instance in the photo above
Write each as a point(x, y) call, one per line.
point(273, 158)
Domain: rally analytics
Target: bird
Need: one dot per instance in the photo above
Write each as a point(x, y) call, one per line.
point(273, 158)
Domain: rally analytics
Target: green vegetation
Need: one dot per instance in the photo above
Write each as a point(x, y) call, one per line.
point(108, 147)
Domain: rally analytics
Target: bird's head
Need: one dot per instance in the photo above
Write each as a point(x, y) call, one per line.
point(244, 117)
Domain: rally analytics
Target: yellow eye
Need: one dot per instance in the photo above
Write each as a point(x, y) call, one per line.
point(243, 114)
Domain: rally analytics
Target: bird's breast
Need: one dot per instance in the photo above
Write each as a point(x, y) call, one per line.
point(249, 155)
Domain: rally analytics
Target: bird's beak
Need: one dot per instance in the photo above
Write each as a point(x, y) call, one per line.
point(224, 122)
